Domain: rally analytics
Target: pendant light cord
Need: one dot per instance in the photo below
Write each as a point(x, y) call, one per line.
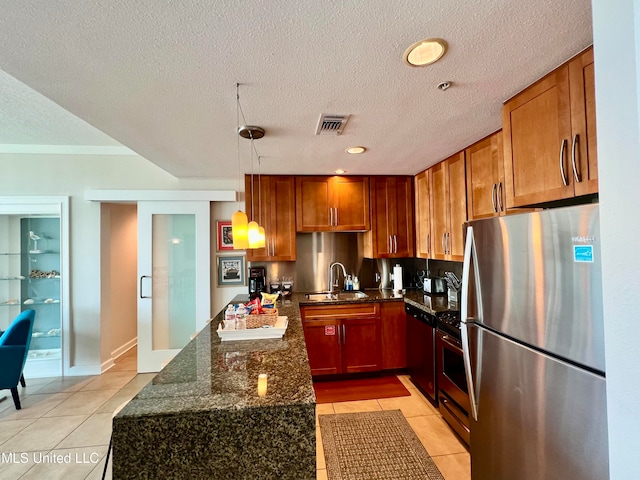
point(238, 139)
point(252, 195)
point(259, 194)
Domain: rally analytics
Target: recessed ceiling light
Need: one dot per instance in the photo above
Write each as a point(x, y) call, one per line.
point(340, 171)
point(356, 150)
point(425, 52)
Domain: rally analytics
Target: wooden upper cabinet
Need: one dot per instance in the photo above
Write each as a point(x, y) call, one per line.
point(458, 204)
point(351, 203)
point(273, 198)
point(325, 204)
point(392, 223)
point(423, 224)
point(440, 211)
point(583, 123)
point(549, 136)
point(448, 202)
point(485, 178)
point(314, 211)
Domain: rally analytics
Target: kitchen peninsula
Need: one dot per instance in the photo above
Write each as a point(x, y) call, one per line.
point(202, 415)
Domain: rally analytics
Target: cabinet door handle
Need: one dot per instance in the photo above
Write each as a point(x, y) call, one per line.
point(344, 334)
point(576, 175)
point(444, 249)
point(499, 197)
point(563, 146)
point(336, 210)
point(389, 244)
point(448, 243)
point(493, 199)
point(395, 243)
point(428, 244)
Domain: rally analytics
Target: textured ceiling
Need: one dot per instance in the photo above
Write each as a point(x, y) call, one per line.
point(160, 77)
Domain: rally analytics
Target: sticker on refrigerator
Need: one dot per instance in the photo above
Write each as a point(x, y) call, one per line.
point(583, 253)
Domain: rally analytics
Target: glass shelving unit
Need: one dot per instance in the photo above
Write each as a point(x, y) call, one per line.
point(30, 278)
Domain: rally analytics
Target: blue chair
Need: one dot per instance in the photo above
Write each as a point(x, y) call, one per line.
point(14, 345)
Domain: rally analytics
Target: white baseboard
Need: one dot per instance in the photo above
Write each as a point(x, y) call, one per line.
point(121, 350)
point(106, 365)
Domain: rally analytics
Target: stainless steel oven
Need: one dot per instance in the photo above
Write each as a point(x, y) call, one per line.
point(453, 395)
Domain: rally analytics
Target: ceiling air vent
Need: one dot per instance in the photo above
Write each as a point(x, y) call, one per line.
point(331, 124)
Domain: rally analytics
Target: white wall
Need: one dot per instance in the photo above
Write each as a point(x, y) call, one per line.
point(616, 29)
point(221, 296)
point(71, 175)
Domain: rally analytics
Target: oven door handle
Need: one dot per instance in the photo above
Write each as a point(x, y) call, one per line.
point(445, 339)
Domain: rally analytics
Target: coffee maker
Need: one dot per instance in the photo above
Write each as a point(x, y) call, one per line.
point(257, 281)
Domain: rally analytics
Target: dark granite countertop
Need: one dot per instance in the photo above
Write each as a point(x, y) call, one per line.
point(373, 296)
point(212, 375)
point(429, 303)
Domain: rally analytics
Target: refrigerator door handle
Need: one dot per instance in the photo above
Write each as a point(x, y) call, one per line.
point(466, 356)
point(469, 256)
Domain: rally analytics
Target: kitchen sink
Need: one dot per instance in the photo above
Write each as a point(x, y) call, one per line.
point(326, 296)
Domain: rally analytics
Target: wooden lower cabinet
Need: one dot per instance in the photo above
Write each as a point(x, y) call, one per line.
point(323, 346)
point(342, 338)
point(393, 322)
point(361, 345)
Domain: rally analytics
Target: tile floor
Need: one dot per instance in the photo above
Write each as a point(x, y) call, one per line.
point(69, 419)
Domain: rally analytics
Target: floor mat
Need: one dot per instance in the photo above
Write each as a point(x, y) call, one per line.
point(374, 445)
point(359, 389)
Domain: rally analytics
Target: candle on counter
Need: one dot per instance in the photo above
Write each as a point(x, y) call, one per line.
point(262, 384)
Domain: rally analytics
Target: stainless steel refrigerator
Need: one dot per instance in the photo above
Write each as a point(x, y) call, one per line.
point(533, 346)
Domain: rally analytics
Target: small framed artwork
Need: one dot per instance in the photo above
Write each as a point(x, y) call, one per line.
point(225, 237)
point(231, 271)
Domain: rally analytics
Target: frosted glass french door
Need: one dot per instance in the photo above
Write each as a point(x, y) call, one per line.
point(173, 278)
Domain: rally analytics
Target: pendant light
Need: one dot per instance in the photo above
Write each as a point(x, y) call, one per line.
point(253, 229)
point(239, 220)
point(251, 234)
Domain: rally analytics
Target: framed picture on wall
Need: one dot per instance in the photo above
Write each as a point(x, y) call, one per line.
point(225, 237)
point(231, 271)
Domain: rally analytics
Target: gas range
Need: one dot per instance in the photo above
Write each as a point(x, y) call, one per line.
point(449, 322)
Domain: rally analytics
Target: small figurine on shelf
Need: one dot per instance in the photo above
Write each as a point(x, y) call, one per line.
point(35, 239)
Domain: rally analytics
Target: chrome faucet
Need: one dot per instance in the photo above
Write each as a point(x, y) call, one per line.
point(344, 272)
